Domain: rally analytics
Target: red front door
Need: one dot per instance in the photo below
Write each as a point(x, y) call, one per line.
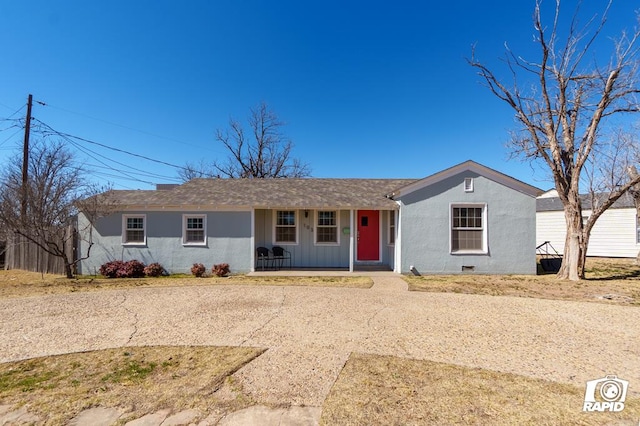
point(368, 235)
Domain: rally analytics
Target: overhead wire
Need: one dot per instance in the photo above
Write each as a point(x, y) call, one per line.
point(79, 143)
point(11, 109)
point(47, 131)
point(122, 173)
point(121, 125)
point(96, 157)
point(10, 137)
point(140, 173)
point(67, 135)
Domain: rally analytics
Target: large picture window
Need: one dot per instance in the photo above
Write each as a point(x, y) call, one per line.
point(286, 231)
point(468, 229)
point(194, 230)
point(134, 229)
point(327, 227)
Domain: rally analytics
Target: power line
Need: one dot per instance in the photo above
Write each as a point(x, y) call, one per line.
point(126, 173)
point(122, 173)
point(9, 138)
point(130, 170)
point(139, 172)
point(11, 109)
point(131, 173)
point(121, 125)
point(67, 135)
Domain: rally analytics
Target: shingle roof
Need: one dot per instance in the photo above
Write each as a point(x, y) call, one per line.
point(552, 204)
point(308, 193)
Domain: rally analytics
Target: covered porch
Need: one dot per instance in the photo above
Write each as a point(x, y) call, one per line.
point(324, 239)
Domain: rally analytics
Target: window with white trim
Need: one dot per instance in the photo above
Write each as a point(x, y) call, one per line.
point(468, 226)
point(327, 227)
point(134, 229)
point(194, 229)
point(286, 231)
point(392, 228)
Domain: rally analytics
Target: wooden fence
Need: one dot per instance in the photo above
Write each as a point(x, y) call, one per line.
point(26, 255)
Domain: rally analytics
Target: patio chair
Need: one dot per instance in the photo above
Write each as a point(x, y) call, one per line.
point(263, 256)
point(280, 255)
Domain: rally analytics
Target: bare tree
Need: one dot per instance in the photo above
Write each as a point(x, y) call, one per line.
point(56, 191)
point(569, 118)
point(201, 169)
point(263, 153)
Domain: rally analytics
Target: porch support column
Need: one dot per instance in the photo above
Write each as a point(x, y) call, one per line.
point(252, 240)
point(351, 240)
point(397, 263)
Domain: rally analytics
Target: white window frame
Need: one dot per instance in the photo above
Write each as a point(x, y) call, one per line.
point(391, 230)
point(317, 226)
point(485, 245)
point(185, 220)
point(125, 217)
point(275, 226)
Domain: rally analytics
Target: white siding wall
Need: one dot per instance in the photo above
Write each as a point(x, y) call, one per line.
point(550, 226)
point(614, 234)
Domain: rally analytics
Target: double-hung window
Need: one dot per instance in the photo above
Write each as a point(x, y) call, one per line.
point(327, 227)
point(134, 229)
point(194, 229)
point(286, 231)
point(468, 229)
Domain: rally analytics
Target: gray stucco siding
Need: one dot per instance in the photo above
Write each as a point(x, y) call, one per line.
point(426, 228)
point(228, 240)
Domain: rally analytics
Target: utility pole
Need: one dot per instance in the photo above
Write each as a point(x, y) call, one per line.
point(25, 158)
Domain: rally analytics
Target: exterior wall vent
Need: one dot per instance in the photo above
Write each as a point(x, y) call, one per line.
point(466, 268)
point(468, 184)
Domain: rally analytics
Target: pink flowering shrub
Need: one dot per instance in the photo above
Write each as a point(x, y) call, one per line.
point(221, 270)
point(198, 270)
point(154, 270)
point(120, 269)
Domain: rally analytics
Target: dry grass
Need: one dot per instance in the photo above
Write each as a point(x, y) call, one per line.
point(608, 281)
point(139, 380)
point(388, 390)
point(17, 283)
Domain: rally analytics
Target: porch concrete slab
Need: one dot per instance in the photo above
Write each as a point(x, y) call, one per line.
point(261, 415)
point(322, 273)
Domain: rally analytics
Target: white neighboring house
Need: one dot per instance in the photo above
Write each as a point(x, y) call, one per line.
point(615, 234)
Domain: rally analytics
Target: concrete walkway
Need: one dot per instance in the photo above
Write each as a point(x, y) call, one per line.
point(310, 332)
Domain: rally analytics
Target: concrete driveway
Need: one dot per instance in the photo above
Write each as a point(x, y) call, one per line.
point(310, 331)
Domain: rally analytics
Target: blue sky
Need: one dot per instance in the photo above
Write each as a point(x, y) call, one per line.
point(367, 89)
